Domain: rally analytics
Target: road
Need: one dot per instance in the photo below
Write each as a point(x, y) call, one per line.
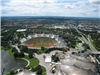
point(91, 46)
point(87, 41)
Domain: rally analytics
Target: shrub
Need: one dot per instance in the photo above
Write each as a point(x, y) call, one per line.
point(12, 72)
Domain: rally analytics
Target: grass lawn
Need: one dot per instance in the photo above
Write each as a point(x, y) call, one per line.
point(3, 48)
point(76, 44)
point(43, 69)
point(7, 74)
point(91, 41)
point(10, 52)
point(33, 62)
point(44, 39)
point(40, 44)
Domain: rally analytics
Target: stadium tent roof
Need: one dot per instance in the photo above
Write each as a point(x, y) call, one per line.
point(23, 40)
point(60, 73)
point(80, 63)
point(29, 37)
point(76, 65)
point(21, 30)
point(72, 69)
point(48, 59)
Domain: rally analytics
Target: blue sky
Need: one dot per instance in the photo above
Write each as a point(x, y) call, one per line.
point(68, 8)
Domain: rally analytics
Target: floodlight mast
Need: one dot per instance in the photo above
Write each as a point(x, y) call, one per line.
point(3, 70)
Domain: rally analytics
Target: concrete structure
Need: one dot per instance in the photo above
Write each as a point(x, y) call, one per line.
point(76, 65)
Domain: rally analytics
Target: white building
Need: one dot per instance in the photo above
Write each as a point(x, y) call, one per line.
point(48, 59)
point(21, 30)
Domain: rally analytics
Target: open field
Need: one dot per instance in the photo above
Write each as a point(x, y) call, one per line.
point(40, 44)
point(41, 39)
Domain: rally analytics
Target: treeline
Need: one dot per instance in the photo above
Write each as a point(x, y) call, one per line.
point(49, 21)
point(96, 40)
point(7, 36)
point(44, 50)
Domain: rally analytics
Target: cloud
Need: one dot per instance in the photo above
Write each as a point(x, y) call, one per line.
point(33, 1)
point(48, 8)
point(95, 1)
point(69, 6)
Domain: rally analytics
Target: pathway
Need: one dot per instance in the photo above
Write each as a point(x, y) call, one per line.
point(46, 65)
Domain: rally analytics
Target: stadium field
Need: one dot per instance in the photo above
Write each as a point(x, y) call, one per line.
point(40, 44)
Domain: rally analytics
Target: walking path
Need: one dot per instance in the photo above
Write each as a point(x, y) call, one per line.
point(42, 60)
point(46, 65)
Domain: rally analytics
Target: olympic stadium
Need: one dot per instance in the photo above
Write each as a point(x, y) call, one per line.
point(40, 38)
point(76, 65)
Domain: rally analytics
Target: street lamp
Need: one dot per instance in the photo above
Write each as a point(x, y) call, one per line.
point(3, 70)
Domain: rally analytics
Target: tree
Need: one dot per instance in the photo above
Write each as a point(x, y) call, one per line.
point(14, 49)
point(73, 52)
point(44, 56)
point(42, 48)
point(37, 67)
point(27, 67)
point(53, 56)
point(53, 71)
point(21, 54)
point(39, 72)
point(12, 72)
point(56, 59)
point(16, 54)
point(30, 55)
point(33, 69)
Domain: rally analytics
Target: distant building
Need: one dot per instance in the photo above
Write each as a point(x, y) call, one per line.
point(21, 30)
point(59, 26)
point(80, 26)
point(71, 27)
point(76, 23)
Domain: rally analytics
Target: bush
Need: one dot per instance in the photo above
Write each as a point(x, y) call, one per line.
point(33, 69)
point(39, 72)
point(16, 54)
point(27, 67)
point(56, 59)
point(12, 72)
point(20, 70)
point(53, 71)
point(21, 54)
point(73, 52)
point(37, 67)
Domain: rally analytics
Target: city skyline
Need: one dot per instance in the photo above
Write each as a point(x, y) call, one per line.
point(72, 8)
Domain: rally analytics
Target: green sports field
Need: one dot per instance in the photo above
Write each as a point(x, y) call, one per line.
point(44, 39)
point(40, 44)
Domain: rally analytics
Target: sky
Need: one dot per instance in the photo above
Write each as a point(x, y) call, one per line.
point(66, 8)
